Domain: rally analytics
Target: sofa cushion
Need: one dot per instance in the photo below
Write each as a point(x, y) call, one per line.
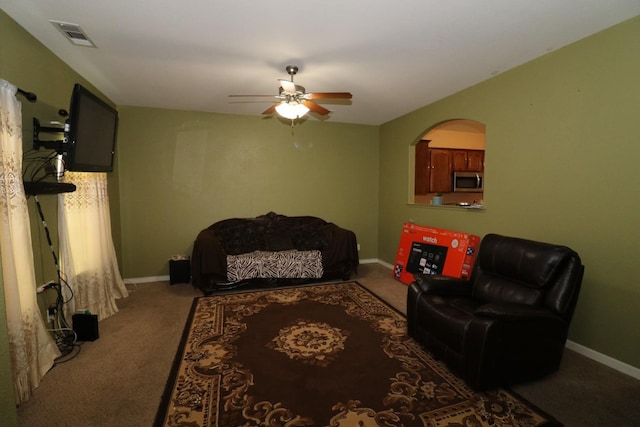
point(238, 236)
point(309, 238)
point(278, 241)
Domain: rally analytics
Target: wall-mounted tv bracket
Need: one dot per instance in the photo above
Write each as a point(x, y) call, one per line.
point(57, 145)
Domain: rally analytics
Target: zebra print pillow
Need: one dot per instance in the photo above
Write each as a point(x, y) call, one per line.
point(290, 264)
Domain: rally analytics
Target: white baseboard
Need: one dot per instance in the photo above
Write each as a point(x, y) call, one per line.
point(376, 261)
point(632, 371)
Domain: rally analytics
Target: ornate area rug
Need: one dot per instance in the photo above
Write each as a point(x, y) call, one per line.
point(321, 355)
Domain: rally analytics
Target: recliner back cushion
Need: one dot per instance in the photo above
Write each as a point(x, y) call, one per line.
point(521, 271)
point(494, 288)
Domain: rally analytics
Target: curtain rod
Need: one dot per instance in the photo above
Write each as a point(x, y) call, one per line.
point(31, 97)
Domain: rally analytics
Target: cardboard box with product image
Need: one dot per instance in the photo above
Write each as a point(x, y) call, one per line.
point(430, 250)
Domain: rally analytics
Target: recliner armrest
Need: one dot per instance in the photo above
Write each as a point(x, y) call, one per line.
point(506, 311)
point(443, 285)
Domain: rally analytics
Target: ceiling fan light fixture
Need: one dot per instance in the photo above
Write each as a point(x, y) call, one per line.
point(291, 110)
point(295, 102)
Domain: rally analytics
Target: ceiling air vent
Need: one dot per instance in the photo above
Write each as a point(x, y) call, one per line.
point(73, 33)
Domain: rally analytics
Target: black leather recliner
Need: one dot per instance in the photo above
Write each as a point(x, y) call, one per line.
point(509, 322)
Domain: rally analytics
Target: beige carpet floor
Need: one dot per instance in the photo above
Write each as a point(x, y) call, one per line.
point(118, 379)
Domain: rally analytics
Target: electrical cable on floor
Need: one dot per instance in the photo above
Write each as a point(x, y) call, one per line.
point(69, 355)
point(65, 337)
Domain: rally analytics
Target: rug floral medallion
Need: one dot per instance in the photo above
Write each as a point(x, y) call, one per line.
point(323, 355)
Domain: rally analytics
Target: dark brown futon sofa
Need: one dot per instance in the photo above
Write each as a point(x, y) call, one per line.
point(271, 247)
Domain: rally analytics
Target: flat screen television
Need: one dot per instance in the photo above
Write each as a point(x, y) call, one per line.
point(91, 136)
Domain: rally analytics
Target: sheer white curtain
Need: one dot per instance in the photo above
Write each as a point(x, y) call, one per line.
point(31, 347)
point(87, 255)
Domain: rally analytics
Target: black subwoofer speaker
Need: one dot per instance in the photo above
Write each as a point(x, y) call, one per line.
point(85, 326)
point(179, 271)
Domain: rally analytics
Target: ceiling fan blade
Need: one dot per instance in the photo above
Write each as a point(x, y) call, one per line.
point(316, 108)
point(326, 95)
point(251, 96)
point(288, 86)
point(270, 110)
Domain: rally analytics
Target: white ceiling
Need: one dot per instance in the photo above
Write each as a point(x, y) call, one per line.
point(393, 57)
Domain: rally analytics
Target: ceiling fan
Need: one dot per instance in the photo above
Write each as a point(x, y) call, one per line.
point(295, 102)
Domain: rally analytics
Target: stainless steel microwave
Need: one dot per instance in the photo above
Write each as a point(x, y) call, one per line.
point(470, 182)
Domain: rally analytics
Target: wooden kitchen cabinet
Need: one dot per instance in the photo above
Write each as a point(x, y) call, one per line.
point(468, 160)
point(433, 169)
point(475, 160)
point(440, 170)
point(422, 168)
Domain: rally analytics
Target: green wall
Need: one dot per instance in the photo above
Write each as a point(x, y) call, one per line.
point(562, 148)
point(182, 171)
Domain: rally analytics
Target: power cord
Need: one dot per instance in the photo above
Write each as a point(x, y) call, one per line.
point(65, 337)
point(39, 166)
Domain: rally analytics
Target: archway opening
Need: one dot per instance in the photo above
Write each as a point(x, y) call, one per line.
point(448, 162)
